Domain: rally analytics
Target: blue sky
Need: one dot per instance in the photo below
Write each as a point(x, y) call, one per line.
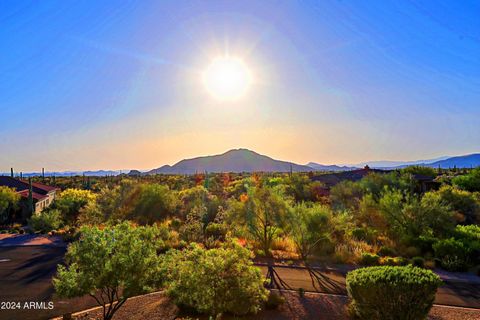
point(116, 85)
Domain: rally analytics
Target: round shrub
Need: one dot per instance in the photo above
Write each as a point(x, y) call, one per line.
point(418, 262)
point(46, 221)
point(389, 261)
point(392, 293)
point(360, 233)
point(453, 254)
point(386, 252)
point(214, 281)
point(369, 259)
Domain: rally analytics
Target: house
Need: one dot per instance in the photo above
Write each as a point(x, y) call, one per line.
point(42, 195)
point(331, 179)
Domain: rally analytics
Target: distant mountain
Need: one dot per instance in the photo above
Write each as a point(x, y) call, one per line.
point(237, 160)
point(97, 173)
point(383, 164)
point(333, 167)
point(467, 161)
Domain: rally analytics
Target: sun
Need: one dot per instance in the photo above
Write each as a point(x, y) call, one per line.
point(227, 78)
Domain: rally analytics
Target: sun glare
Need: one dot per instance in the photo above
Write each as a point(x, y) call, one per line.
point(227, 78)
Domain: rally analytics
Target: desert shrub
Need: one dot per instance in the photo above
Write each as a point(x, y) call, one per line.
point(453, 254)
point(9, 200)
point(470, 232)
point(214, 281)
point(359, 233)
point(274, 300)
point(411, 252)
point(46, 221)
point(111, 265)
point(386, 251)
point(70, 201)
point(424, 244)
point(390, 261)
point(469, 182)
point(216, 231)
point(418, 262)
point(397, 293)
point(369, 259)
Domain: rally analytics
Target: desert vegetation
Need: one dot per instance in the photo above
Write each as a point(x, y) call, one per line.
point(196, 235)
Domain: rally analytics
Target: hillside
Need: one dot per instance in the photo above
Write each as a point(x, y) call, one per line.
point(236, 160)
point(467, 161)
point(332, 167)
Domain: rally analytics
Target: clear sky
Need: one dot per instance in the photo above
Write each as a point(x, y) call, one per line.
point(118, 84)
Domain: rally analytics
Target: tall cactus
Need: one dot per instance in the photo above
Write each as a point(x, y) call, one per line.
point(30, 196)
point(206, 181)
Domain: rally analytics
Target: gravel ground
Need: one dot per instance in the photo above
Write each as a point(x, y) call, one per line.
point(312, 306)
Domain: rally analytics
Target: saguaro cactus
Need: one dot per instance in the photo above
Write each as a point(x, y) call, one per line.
point(30, 196)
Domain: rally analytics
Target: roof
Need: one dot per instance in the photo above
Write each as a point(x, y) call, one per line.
point(39, 190)
point(331, 179)
point(35, 196)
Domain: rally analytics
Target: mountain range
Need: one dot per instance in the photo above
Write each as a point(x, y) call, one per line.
point(244, 160)
point(236, 160)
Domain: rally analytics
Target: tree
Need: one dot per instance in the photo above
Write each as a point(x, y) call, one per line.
point(46, 221)
point(150, 203)
point(346, 195)
point(9, 199)
point(469, 182)
point(412, 217)
point(214, 281)
point(308, 227)
point(463, 202)
point(263, 213)
point(70, 201)
point(111, 265)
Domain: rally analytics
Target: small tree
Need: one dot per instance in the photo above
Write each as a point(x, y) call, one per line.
point(265, 213)
point(308, 227)
point(9, 199)
point(111, 265)
point(46, 221)
point(214, 281)
point(71, 201)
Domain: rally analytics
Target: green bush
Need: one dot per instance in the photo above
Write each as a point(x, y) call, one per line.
point(111, 264)
point(386, 252)
point(453, 254)
point(396, 293)
point(418, 262)
point(46, 221)
point(369, 259)
point(389, 261)
point(470, 232)
point(214, 281)
point(360, 233)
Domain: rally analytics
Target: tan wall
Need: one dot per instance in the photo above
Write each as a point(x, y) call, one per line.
point(45, 203)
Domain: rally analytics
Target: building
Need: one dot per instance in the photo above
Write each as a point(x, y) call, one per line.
point(42, 195)
point(331, 179)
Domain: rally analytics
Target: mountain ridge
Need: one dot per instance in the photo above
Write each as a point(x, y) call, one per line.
point(235, 160)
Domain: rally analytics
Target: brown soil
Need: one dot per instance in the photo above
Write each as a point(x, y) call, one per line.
point(311, 306)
